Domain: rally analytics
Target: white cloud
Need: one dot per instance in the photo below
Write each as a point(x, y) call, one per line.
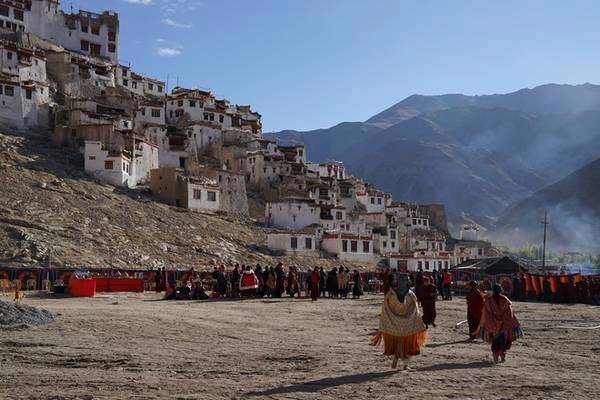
point(175, 24)
point(144, 2)
point(168, 52)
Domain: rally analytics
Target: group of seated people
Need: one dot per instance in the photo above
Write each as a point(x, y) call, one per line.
point(190, 291)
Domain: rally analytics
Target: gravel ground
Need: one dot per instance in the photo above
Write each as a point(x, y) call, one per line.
point(21, 315)
point(132, 346)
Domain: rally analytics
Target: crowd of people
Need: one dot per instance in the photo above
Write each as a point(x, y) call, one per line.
point(573, 288)
point(243, 281)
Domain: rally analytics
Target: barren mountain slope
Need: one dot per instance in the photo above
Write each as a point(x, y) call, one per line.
point(49, 207)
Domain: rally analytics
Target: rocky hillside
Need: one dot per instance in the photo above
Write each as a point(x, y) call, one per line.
point(50, 211)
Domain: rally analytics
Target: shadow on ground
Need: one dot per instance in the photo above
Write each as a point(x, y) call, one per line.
point(325, 383)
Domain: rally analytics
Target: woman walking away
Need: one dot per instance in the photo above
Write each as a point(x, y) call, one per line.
point(401, 327)
point(315, 280)
point(499, 325)
point(475, 301)
point(357, 289)
point(248, 283)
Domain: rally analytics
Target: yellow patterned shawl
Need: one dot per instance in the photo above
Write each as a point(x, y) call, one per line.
point(400, 319)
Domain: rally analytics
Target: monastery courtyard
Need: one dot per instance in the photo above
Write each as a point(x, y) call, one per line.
point(136, 347)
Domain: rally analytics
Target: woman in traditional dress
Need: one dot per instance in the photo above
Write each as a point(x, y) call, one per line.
point(343, 282)
point(270, 282)
point(401, 326)
point(248, 283)
point(499, 325)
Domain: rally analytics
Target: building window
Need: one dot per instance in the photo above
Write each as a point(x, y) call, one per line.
point(92, 158)
point(112, 48)
point(18, 14)
point(95, 30)
point(206, 116)
point(427, 265)
point(221, 118)
point(4, 10)
point(345, 246)
point(446, 264)
point(308, 243)
point(211, 196)
point(480, 252)
point(393, 244)
point(125, 82)
point(85, 45)
point(419, 264)
point(143, 111)
point(112, 36)
point(84, 28)
point(353, 246)
point(294, 243)
point(372, 200)
point(133, 84)
point(384, 244)
point(108, 164)
point(212, 117)
point(392, 234)
point(156, 112)
point(9, 90)
point(197, 194)
point(379, 200)
point(28, 94)
point(414, 221)
point(366, 247)
point(192, 103)
point(9, 55)
point(179, 103)
point(339, 215)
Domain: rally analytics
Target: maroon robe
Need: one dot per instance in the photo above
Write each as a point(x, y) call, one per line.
point(475, 300)
point(427, 296)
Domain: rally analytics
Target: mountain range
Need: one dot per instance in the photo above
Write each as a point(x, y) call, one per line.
point(482, 156)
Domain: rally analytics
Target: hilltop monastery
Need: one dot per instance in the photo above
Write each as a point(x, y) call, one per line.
point(60, 73)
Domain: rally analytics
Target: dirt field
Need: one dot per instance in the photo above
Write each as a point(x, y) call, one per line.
point(134, 347)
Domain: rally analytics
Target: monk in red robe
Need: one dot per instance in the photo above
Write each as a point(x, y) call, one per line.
point(475, 300)
point(427, 296)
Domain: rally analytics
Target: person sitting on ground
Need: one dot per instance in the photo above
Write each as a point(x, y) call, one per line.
point(198, 292)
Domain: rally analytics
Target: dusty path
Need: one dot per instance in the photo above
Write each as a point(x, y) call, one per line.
point(133, 347)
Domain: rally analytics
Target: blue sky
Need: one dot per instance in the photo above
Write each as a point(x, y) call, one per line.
point(308, 64)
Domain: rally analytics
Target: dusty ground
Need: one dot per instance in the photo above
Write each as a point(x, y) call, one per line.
point(133, 347)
